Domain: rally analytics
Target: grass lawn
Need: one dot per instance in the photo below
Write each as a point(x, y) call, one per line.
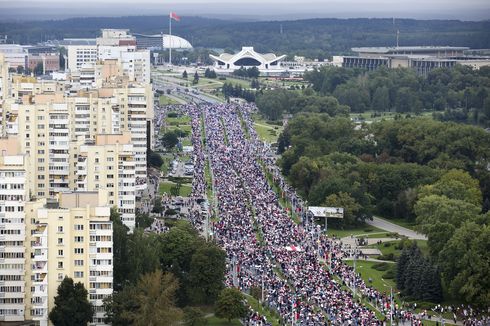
point(186, 142)
point(184, 127)
point(365, 268)
point(363, 229)
point(183, 120)
point(390, 247)
point(215, 321)
point(266, 131)
point(185, 189)
point(165, 100)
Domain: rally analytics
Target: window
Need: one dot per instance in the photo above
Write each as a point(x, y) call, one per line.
point(78, 274)
point(60, 241)
point(78, 250)
point(60, 277)
point(78, 262)
point(60, 264)
point(78, 227)
point(60, 252)
point(60, 229)
point(78, 239)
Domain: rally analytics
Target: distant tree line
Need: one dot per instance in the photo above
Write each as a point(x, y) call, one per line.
point(314, 38)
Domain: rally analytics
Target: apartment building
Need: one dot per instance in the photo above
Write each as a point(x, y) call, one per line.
point(81, 55)
point(13, 195)
point(115, 44)
point(109, 164)
point(71, 237)
point(4, 92)
point(45, 137)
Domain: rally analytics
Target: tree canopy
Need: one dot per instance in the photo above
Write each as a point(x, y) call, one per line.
point(71, 305)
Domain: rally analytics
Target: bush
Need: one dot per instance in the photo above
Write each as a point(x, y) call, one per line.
point(170, 212)
point(381, 266)
point(172, 115)
point(194, 316)
point(389, 256)
point(389, 274)
point(393, 235)
point(368, 230)
point(387, 244)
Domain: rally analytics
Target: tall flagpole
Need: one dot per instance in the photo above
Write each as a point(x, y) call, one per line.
point(170, 40)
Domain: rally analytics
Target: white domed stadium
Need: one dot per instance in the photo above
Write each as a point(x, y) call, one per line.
point(161, 41)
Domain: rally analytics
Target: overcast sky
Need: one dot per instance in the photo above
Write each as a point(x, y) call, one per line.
point(439, 9)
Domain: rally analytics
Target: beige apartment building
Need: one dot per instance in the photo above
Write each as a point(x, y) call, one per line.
point(50, 120)
point(44, 240)
point(109, 164)
point(13, 244)
point(68, 237)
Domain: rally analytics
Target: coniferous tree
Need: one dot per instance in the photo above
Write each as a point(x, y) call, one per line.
point(71, 305)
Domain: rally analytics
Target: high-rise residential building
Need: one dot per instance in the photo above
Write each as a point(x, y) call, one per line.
point(115, 44)
point(71, 237)
point(13, 195)
point(109, 164)
point(48, 119)
point(80, 55)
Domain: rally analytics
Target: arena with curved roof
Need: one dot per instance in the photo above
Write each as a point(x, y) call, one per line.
point(161, 41)
point(247, 58)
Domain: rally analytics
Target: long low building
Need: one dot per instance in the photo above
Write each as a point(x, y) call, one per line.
point(422, 59)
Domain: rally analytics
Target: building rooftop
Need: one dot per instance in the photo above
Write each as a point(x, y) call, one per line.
point(430, 48)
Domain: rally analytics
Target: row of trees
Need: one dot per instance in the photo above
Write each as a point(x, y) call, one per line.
point(155, 276)
point(273, 104)
point(209, 73)
point(416, 277)
point(462, 93)
point(252, 72)
point(230, 90)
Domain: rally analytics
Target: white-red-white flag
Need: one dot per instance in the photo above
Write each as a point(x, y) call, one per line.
point(294, 248)
point(174, 16)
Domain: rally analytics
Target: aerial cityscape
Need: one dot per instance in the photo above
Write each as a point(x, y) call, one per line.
point(251, 163)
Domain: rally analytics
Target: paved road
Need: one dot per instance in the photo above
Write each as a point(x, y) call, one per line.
point(391, 227)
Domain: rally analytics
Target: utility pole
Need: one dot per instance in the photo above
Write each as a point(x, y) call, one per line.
point(235, 276)
point(292, 312)
point(391, 306)
point(262, 287)
point(170, 40)
point(355, 257)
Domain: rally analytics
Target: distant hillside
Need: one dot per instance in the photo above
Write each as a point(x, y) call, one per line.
point(312, 37)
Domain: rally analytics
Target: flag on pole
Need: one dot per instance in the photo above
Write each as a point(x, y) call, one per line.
point(174, 16)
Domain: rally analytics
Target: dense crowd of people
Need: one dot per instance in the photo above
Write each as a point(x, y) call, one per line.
point(295, 265)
